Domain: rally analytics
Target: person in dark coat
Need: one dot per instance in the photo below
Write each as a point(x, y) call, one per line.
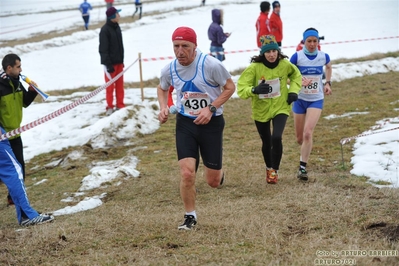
point(112, 55)
point(217, 35)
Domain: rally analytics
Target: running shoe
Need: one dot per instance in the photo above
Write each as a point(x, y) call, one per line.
point(40, 219)
point(271, 176)
point(109, 111)
point(189, 222)
point(302, 175)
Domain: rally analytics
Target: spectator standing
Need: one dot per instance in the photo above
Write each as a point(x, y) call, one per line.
point(263, 23)
point(216, 35)
point(14, 97)
point(265, 81)
point(203, 3)
point(109, 3)
point(139, 6)
point(308, 108)
point(85, 10)
point(112, 56)
point(202, 86)
point(11, 174)
point(276, 24)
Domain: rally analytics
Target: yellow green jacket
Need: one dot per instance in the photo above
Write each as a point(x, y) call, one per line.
point(264, 110)
point(13, 97)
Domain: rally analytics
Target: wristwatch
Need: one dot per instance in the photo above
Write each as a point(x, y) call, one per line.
point(212, 108)
point(328, 82)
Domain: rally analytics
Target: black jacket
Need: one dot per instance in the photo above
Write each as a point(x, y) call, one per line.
point(111, 44)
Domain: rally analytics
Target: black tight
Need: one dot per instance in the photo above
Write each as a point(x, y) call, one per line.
point(272, 144)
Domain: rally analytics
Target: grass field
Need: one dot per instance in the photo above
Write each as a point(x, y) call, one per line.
point(248, 222)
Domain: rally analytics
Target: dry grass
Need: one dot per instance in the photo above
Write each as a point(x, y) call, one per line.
point(246, 223)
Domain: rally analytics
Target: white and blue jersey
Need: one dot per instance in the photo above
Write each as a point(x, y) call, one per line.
point(311, 67)
point(196, 85)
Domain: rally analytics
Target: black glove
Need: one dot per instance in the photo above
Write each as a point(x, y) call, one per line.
point(292, 97)
point(110, 69)
point(262, 88)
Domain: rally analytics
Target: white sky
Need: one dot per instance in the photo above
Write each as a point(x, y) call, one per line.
point(73, 61)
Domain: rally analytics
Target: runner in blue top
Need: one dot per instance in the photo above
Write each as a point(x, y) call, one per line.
point(202, 86)
point(139, 6)
point(307, 109)
point(84, 9)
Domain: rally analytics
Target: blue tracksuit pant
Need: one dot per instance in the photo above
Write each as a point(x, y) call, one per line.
point(11, 175)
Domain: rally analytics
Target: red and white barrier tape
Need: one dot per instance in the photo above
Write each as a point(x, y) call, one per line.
point(158, 58)
point(63, 109)
point(150, 59)
point(95, 92)
point(346, 140)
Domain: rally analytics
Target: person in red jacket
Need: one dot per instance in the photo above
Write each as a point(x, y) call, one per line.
point(109, 3)
point(276, 24)
point(262, 23)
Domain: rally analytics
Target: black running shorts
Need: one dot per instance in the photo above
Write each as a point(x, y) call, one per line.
point(207, 140)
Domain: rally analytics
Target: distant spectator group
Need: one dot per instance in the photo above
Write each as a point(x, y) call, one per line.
point(266, 25)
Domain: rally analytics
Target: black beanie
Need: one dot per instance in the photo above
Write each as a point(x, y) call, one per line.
point(276, 3)
point(264, 6)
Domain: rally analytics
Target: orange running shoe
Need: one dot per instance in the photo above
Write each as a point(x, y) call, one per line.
point(271, 176)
